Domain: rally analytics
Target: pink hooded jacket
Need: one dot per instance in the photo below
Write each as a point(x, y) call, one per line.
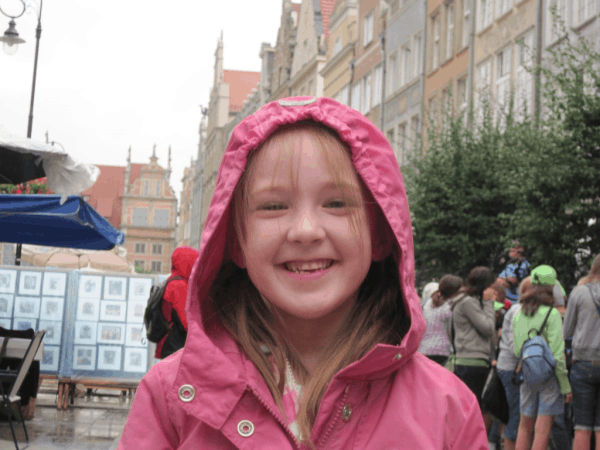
point(209, 395)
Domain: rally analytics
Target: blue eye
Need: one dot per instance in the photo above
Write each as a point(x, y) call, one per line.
point(336, 204)
point(272, 207)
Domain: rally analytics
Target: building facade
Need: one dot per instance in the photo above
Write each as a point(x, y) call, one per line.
point(184, 224)
point(284, 50)
point(338, 71)
point(149, 216)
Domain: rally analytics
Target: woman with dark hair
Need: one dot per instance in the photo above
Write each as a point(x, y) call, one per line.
point(541, 402)
point(473, 326)
point(435, 343)
point(582, 324)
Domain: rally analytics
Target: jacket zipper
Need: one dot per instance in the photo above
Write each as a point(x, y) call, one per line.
point(275, 414)
point(325, 438)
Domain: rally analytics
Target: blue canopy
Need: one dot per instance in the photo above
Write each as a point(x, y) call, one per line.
point(42, 220)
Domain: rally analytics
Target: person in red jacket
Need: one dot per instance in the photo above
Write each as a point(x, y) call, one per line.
point(182, 262)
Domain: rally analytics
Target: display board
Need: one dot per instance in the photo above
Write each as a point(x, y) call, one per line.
point(93, 322)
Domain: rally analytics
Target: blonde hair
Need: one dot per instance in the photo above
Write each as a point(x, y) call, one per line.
point(377, 315)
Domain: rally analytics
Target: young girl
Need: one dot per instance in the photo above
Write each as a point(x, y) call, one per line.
point(435, 343)
point(540, 403)
point(303, 316)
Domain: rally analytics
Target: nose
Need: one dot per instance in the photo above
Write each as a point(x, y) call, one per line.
point(306, 228)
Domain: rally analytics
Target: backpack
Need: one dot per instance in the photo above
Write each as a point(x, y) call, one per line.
point(154, 321)
point(537, 360)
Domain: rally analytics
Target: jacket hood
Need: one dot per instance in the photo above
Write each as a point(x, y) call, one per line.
point(374, 161)
point(182, 261)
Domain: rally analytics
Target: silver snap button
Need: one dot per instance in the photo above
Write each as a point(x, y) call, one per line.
point(397, 356)
point(346, 413)
point(187, 393)
point(245, 428)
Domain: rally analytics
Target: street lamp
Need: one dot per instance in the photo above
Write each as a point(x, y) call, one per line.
point(11, 41)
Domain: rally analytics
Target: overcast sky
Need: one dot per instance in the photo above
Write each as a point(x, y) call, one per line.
point(120, 73)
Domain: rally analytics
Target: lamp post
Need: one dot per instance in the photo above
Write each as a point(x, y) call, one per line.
point(11, 41)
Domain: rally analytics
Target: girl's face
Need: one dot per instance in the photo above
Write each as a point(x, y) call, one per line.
point(300, 249)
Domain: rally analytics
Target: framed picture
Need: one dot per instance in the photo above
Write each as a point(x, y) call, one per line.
point(30, 283)
point(84, 358)
point(8, 280)
point(109, 357)
point(85, 332)
point(90, 286)
point(24, 324)
point(135, 311)
point(136, 360)
point(27, 307)
point(114, 288)
point(88, 309)
point(111, 333)
point(113, 311)
point(6, 305)
point(55, 283)
point(52, 308)
point(50, 359)
point(139, 288)
point(5, 323)
point(53, 332)
point(136, 335)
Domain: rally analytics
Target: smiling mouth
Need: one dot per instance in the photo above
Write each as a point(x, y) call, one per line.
point(308, 266)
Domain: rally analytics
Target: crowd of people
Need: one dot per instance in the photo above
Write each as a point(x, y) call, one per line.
point(485, 321)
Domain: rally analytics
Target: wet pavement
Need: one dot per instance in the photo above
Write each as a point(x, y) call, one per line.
point(92, 423)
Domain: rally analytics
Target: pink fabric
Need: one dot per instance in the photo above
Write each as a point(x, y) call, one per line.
point(398, 398)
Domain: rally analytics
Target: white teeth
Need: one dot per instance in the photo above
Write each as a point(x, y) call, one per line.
point(307, 266)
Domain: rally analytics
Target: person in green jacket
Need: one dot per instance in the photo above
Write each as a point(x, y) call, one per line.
point(539, 404)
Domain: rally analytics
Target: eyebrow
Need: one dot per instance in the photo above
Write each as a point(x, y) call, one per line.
point(329, 186)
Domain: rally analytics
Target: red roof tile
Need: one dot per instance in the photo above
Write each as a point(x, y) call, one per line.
point(296, 7)
point(240, 86)
point(326, 10)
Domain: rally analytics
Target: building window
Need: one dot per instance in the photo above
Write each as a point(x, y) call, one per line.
point(418, 61)
point(466, 23)
point(561, 10)
point(139, 264)
point(368, 29)
point(484, 18)
point(392, 81)
point(502, 6)
point(161, 218)
point(502, 84)
point(158, 186)
point(389, 134)
point(356, 96)
point(366, 94)
point(140, 247)
point(402, 144)
point(377, 81)
point(337, 46)
point(146, 187)
point(483, 82)
point(585, 10)
point(449, 30)
point(344, 94)
point(461, 94)
point(139, 217)
point(524, 89)
point(156, 266)
point(157, 249)
point(406, 66)
point(414, 136)
point(435, 53)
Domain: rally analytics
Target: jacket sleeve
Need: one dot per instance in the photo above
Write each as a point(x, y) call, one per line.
point(557, 345)
point(176, 294)
point(472, 435)
point(483, 320)
point(149, 423)
point(571, 315)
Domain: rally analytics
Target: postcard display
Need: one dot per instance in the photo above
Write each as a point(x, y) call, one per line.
point(93, 323)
